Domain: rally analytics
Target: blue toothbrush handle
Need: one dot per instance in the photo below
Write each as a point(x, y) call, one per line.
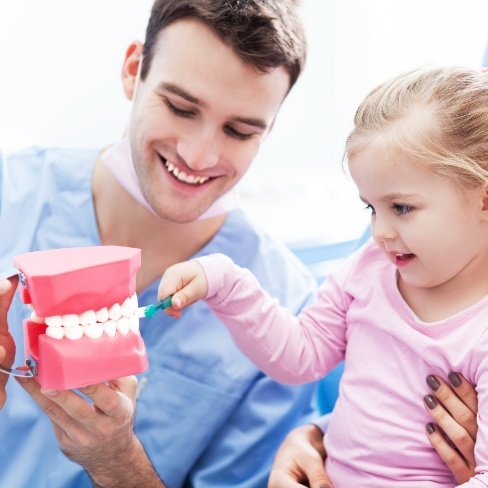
point(151, 310)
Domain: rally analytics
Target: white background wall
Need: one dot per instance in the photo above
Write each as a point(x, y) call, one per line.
point(59, 84)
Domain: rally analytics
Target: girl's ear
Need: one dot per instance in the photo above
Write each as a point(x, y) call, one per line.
point(130, 68)
point(484, 207)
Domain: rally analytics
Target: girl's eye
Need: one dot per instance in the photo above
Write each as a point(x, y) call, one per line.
point(178, 111)
point(402, 209)
point(236, 134)
point(370, 208)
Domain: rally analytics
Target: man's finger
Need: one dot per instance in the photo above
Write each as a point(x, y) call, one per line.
point(108, 397)
point(7, 290)
point(461, 412)
point(464, 390)
point(461, 468)
point(62, 407)
point(459, 436)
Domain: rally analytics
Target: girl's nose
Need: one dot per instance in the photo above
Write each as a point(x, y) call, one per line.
point(382, 229)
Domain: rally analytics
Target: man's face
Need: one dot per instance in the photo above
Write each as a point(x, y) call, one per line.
point(198, 119)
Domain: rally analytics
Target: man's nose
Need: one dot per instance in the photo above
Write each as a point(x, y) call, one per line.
point(201, 150)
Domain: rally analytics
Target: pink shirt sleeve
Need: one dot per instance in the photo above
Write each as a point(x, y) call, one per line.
point(292, 350)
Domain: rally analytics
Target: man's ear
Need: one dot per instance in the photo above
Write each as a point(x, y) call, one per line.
point(130, 68)
point(269, 129)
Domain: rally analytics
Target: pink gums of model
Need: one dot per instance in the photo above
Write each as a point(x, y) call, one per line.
point(84, 327)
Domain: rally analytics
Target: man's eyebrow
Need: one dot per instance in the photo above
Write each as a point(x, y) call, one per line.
point(177, 90)
point(259, 123)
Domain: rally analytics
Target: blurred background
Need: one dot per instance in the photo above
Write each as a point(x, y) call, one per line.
point(60, 63)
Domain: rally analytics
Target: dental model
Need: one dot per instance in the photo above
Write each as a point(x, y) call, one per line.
point(84, 325)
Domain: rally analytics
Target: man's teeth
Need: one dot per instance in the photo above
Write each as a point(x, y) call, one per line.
point(182, 176)
point(118, 318)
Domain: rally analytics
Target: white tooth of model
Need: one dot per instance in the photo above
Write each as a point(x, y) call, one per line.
point(93, 331)
point(73, 333)
point(70, 320)
point(55, 332)
point(88, 317)
point(110, 328)
point(36, 319)
point(135, 303)
point(127, 308)
point(123, 326)
point(115, 312)
point(53, 321)
point(102, 315)
point(134, 323)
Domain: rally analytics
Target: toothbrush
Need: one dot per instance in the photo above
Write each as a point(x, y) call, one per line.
point(150, 310)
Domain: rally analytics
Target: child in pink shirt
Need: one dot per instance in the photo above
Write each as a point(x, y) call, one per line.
point(413, 301)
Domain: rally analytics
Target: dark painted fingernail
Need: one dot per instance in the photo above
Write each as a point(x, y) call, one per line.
point(455, 379)
point(430, 401)
point(430, 428)
point(433, 382)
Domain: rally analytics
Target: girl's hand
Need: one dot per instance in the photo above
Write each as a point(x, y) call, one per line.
point(187, 283)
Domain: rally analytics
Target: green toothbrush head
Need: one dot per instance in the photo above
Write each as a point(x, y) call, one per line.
point(151, 310)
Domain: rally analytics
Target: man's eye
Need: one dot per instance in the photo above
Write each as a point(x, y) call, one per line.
point(178, 111)
point(370, 208)
point(402, 209)
point(236, 134)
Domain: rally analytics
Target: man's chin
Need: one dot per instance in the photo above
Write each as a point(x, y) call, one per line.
point(219, 207)
point(183, 215)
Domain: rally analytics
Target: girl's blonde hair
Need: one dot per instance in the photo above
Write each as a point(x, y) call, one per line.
point(437, 115)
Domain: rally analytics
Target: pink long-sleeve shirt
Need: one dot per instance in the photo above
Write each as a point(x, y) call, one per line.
point(376, 437)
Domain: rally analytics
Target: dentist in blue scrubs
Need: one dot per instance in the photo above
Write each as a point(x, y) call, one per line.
point(205, 86)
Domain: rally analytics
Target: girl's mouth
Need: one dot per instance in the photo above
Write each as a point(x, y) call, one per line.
point(402, 259)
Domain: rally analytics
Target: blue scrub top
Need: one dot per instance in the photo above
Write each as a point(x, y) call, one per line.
point(205, 415)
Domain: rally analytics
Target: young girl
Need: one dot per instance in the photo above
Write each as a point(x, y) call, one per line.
point(412, 302)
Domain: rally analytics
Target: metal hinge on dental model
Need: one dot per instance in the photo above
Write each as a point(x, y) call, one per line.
point(30, 369)
point(29, 372)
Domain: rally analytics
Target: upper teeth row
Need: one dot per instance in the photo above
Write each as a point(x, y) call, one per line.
point(182, 176)
point(93, 324)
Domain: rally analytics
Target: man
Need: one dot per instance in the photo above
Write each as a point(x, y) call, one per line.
point(205, 89)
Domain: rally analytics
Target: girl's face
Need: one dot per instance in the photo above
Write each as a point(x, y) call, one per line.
point(429, 227)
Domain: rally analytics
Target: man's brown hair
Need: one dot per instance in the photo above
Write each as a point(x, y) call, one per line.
point(263, 33)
